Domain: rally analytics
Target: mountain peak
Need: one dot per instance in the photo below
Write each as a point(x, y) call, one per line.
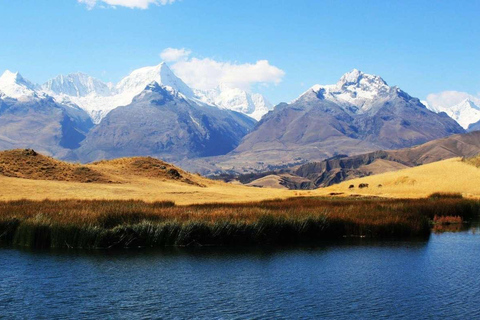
point(14, 77)
point(161, 73)
point(13, 85)
point(468, 102)
point(354, 89)
point(358, 78)
point(466, 112)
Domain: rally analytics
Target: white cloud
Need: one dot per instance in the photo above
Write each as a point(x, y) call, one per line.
point(450, 98)
point(133, 4)
point(172, 54)
point(208, 73)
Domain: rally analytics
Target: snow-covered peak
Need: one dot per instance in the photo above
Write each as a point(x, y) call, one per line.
point(140, 78)
point(76, 85)
point(252, 104)
point(465, 113)
point(13, 85)
point(358, 79)
point(354, 89)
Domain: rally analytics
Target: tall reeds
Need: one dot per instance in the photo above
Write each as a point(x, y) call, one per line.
point(112, 224)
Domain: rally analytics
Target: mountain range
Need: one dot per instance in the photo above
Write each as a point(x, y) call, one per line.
point(164, 116)
point(153, 112)
point(98, 98)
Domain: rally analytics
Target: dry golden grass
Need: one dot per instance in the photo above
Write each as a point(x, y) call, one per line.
point(448, 176)
point(25, 175)
point(475, 161)
point(138, 188)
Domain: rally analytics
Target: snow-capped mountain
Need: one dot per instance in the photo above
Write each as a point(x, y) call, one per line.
point(465, 112)
point(76, 85)
point(13, 85)
point(252, 104)
point(136, 81)
point(98, 98)
point(355, 91)
point(357, 114)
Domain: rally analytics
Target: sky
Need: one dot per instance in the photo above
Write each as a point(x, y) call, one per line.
point(279, 48)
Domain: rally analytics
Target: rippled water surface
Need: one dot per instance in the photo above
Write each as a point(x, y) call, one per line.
point(437, 278)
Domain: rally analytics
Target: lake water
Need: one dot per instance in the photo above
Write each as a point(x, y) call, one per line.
point(436, 278)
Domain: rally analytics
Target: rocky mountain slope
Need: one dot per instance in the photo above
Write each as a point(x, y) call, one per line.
point(162, 122)
point(29, 119)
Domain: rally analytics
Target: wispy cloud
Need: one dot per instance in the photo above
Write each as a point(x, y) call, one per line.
point(207, 73)
point(133, 4)
point(172, 54)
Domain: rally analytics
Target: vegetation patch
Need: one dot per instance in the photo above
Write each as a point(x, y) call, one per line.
point(446, 195)
point(474, 161)
point(128, 224)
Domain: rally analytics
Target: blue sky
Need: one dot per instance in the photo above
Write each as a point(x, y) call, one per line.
point(421, 46)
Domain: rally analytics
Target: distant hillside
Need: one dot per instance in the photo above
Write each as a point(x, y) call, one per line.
point(341, 168)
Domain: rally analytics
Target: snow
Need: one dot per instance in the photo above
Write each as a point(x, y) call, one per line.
point(76, 85)
point(225, 97)
point(13, 85)
point(465, 112)
point(98, 98)
point(354, 89)
point(136, 81)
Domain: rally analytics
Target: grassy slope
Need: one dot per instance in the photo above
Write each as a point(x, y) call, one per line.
point(452, 175)
point(36, 177)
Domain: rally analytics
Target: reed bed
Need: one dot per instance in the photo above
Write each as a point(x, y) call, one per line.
point(128, 224)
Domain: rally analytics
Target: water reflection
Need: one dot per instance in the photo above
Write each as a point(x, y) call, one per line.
point(361, 278)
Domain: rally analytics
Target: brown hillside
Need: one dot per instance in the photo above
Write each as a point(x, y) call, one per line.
point(342, 168)
point(147, 167)
point(28, 164)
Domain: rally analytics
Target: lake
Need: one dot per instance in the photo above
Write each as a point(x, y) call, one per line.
point(434, 278)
